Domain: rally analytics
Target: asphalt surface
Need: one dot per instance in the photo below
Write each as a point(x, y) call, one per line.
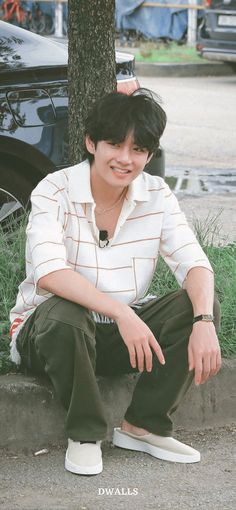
point(30, 482)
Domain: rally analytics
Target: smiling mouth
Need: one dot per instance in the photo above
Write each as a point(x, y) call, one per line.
point(120, 171)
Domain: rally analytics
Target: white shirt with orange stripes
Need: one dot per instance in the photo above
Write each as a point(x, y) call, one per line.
point(62, 234)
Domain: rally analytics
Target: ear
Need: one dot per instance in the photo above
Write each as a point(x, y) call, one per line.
point(90, 146)
point(149, 158)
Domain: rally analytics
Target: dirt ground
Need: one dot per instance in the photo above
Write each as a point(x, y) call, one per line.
point(31, 482)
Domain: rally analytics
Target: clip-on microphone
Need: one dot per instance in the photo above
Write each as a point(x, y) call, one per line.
point(103, 238)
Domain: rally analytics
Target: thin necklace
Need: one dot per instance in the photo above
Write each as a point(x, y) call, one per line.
point(104, 211)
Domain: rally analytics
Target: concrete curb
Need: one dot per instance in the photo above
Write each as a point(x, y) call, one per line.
point(31, 417)
point(184, 70)
point(155, 69)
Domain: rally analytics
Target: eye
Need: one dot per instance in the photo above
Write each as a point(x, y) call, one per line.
point(114, 144)
point(140, 149)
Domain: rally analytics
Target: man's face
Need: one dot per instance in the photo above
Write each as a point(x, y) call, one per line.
point(117, 163)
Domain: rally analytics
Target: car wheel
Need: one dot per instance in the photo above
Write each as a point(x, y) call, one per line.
point(14, 195)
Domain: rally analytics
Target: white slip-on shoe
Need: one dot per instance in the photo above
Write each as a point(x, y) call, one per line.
point(84, 458)
point(165, 448)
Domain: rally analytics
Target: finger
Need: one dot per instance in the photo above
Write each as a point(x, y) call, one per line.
point(148, 357)
point(132, 356)
point(140, 358)
point(198, 371)
point(157, 349)
point(218, 361)
point(206, 368)
point(190, 360)
point(213, 363)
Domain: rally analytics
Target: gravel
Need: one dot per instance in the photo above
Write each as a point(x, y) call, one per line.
point(30, 482)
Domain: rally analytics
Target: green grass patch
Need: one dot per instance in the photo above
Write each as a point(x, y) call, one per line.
point(12, 273)
point(222, 258)
point(167, 53)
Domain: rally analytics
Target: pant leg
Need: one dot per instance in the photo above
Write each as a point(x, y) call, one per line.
point(158, 393)
point(59, 339)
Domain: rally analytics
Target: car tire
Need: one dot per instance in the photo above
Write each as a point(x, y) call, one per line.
point(15, 189)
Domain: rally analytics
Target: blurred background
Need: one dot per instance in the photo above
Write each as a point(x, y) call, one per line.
point(135, 20)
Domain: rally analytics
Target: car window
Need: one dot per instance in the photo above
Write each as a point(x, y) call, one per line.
point(7, 122)
point(59, 97)
point(31, 107)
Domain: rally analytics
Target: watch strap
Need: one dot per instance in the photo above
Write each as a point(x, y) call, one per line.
point(204, 318)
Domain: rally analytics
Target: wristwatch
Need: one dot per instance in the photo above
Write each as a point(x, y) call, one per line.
point(203, 317)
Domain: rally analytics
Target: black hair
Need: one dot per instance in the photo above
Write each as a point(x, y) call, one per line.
point(115, 115)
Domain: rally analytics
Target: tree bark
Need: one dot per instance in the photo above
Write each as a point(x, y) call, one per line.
point(91, 67)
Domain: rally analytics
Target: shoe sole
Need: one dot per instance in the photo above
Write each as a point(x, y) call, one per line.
point(83, 470)
point(123, 441)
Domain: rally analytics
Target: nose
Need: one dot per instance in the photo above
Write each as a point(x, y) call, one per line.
point(123, 155)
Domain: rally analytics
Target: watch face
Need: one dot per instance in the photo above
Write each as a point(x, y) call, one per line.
point(204, 317)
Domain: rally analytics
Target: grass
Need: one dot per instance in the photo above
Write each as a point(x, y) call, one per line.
point(222, 258)
point(12, 272)
point(167, 53)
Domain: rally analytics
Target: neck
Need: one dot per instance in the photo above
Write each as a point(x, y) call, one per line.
point(103, 193)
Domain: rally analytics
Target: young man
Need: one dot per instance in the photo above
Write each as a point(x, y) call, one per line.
point(93, 239)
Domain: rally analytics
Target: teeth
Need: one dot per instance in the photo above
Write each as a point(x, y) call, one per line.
point(120, 171)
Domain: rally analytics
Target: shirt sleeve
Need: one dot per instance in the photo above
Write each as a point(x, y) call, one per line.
point(178, 245)
point(45, 245)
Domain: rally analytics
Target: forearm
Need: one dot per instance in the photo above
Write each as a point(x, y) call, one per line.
point(199, 285)
point(203, 349)
point(73, 286)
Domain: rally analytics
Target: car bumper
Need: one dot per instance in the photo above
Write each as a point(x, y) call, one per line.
point(214, 48)
point(216, 37)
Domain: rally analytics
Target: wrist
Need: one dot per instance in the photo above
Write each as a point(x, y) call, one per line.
point(203, 318)
point(120, 310)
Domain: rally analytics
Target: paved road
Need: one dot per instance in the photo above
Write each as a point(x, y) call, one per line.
point(201, 129)
point(40, 483)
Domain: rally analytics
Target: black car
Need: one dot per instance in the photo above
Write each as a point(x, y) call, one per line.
point(33, 112)
point(217, 32)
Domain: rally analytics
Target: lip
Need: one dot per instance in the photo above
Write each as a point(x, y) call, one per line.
point(120, 171)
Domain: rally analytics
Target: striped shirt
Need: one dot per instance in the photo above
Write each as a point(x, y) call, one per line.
point(62, 234)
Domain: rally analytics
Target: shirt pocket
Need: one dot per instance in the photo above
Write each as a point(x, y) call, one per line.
point(143, 268)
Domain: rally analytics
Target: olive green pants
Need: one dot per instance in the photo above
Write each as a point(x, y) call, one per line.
point(62, 340)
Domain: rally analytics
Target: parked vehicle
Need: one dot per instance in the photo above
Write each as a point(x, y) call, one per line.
point(33, 112)
point(217, 32)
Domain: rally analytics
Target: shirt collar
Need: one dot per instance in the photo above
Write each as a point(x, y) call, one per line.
point(138, 190)
point(79, 183)
point(80, 189)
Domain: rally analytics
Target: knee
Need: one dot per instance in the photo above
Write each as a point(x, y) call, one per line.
point(177, 325)
point(64, 330)
point(182, 305)
point(62, 311)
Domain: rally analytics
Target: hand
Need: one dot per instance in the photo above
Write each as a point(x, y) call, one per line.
point(204, 351)
point(139, 340)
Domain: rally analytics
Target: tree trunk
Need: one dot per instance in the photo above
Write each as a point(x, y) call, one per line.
point(92, 68)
